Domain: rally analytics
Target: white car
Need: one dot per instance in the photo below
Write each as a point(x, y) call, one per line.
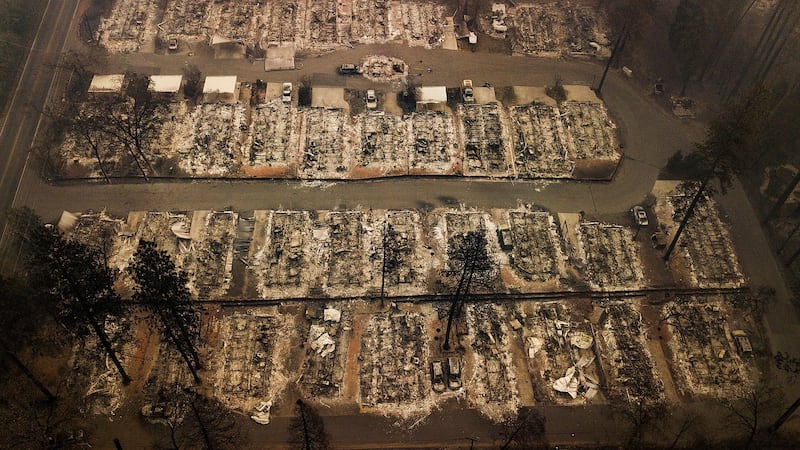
point(640, 216)
point(372, 100)
point(287, 93)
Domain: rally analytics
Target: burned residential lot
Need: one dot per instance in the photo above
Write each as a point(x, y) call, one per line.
point(554, 323)
point(246, 133)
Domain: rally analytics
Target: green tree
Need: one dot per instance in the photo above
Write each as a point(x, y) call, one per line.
point(161, 288)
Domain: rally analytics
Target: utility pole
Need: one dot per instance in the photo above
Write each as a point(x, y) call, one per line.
point(611, 58)
point(300, 405)
point(785, 416)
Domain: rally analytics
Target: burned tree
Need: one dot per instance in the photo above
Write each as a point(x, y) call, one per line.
point(391, 256)
point(78, 280)
point(161, 288)
point(195, 420)
point(468, 259)
point(306, 429)
point(525, 431)
point(726, 151)
point(752, 411)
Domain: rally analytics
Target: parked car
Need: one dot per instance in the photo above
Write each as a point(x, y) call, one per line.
point(640, 216)
point(287, 93)
point(454, 373)
point(372, 100)
point(349, 69)
point(437, 376)
point(467, 94)
point(173, 44)
point(742, 342)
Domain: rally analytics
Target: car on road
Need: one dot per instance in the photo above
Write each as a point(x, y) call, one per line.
point(372, 100)
point(437, 376)
point(287, 93)
point(640, 216)
point(454, 373)
point(349, 69)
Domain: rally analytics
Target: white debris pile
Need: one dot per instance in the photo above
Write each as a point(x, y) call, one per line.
point(537, 252)
point(384, 68)
point(557, 29)
point(209, 141)
point(272, 140)
point(327, 150)
point(435, 149)
point(493, 386)
point(485, 136)
point(210, 262)
point(394, 372)
point(128, 25)
point(628, 364)
point(249, 373)
point(326, 355)
point(384, 146)
point(610, 256)
point(706, 360)
point(281, 261)
point(561, 357)
point(705, 242)
point(423, 23)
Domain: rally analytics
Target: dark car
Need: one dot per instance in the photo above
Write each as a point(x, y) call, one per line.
point(349, 69)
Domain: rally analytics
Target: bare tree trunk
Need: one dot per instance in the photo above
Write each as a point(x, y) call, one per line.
point(768, 29)
point(785, 416)
point(783, 197)
point(383, 264)
point(775, 50)
point(454, 304)
point(182, 351)
point(306, 439)
point(200, 424)
point(101, 334)
point(188, 342)
point(24, 369)
point(689, 211)
point(722, 40)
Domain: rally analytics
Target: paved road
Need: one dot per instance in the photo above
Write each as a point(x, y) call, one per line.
point(22, 119)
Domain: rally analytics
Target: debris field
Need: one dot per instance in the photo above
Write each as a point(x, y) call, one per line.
point(705, 244)
point(276, 140)
point(610, 256)
point(553, 29)
point(706, 360)
point(297, 254)
point(315, 25)
point(559, 343)
point(327, 344)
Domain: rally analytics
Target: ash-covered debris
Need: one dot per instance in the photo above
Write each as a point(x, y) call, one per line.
point(250, 369)
point(493, 386)
point(384, 68)
point(395, 382)
point(486, 140)
point(209, 141)
point(435, 149)
point(536, 245)
point(327, 150)
point(385, 143)
point(281, 255)
point(557, 29)
point(559, 342)
point(610, 256)
point(630, 372)
point(272, 138)
point(705, 242)
point(210, 262)
point(346, 263)
point(327, 342)
point(706, 360)
point(128, 25)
